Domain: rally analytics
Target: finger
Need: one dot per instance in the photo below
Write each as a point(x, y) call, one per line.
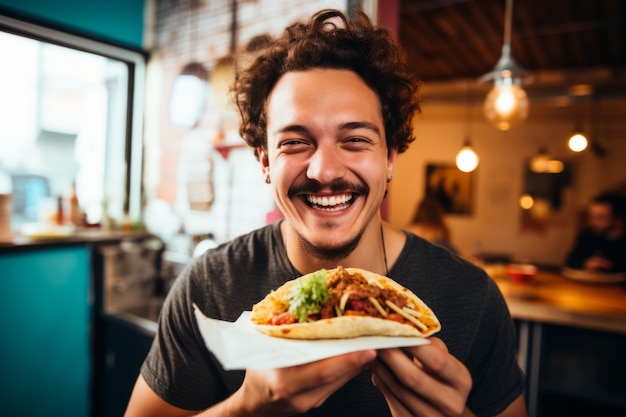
point(438, 362)
point(401, 401)
point(442, 381)
point(395, 405)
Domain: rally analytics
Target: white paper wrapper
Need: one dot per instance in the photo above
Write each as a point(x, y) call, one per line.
point(239, 346)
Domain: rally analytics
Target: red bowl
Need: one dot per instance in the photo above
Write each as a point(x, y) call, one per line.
point(521, 272)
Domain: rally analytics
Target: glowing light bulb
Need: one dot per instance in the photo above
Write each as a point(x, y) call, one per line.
point(526, 201)
point(506, 104)
point(578, 142)
point(466, 159)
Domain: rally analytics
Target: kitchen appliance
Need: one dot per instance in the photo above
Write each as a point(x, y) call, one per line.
point(128, 295)
point(130, 274)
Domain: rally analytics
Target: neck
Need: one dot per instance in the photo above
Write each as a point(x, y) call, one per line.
point(369, 254)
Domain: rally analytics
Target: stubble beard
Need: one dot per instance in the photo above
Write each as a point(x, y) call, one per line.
point(329, 253)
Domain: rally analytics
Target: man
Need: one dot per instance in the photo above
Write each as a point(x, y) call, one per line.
point(601, 246)
point(328, 107)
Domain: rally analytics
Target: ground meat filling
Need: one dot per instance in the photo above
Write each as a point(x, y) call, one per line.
point(360, 292)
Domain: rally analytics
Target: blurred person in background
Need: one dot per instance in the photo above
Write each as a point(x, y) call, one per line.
point(429, 223)
point(601, 245)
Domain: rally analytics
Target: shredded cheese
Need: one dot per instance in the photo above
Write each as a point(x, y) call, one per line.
point(338, 312)
point(407, 316)
point(344, 300)
point(412, 312)
point(376, 304)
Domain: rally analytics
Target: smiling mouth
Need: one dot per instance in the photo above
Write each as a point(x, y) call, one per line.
point(330, 203)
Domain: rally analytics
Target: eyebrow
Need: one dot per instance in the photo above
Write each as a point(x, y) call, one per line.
point(346, 126)
point(361, 125)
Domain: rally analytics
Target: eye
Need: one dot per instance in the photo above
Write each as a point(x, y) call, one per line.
point(357, 142)
point(357, 139)
point(291, 142)
point(293, 145)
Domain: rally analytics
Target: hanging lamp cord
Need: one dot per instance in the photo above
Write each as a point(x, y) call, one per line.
point(468, 117)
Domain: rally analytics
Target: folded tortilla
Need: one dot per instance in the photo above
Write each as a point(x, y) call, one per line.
point(347, 326)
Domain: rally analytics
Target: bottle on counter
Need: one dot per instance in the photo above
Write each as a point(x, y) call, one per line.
point(106, 222)
point(126, 224)
point(75, 216)
point(60, 215)
point(6, 206)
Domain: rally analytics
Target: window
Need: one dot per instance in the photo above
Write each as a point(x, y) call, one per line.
point(70, 112)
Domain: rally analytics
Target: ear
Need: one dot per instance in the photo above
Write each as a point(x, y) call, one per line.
point(265, 163)
point(391, 162)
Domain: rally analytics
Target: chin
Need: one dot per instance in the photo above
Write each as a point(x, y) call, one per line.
point(329, 249)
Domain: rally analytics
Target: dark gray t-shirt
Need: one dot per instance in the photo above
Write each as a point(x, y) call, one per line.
point(475, 322)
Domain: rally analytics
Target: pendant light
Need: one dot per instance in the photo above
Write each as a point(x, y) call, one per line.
point(594, 135)
point(506, 104)
point(190, 89)
point(466, 159)
point(578, 141)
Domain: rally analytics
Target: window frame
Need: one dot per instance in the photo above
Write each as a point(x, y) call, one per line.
point(136, 61)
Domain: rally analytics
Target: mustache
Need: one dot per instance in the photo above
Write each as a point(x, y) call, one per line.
point(337, 186)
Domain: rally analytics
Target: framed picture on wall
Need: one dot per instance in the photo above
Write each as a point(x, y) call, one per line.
point(452, 188)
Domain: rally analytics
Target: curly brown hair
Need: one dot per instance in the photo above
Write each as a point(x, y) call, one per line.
point(331, 40)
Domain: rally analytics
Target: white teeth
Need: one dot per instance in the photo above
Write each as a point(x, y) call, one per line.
point(328, 202)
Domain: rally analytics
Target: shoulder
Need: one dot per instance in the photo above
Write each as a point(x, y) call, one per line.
point(242, 252)
point(230, 278)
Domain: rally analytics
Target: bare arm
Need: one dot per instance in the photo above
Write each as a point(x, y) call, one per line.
point(516, 409)
point(145, 402)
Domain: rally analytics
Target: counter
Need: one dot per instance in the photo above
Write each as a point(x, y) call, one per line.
point(552, 298)
point(86, 236)
point(572, 336)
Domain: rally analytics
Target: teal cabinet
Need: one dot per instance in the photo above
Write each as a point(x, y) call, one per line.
point(45, 314)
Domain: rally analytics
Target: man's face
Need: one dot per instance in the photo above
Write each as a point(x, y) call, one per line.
point(327, 156)
point(600, 218)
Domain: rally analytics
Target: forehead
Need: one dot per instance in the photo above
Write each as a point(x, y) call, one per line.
point(322, 93)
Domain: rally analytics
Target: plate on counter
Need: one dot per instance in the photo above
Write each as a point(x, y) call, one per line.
point(47, 231)
point(593, 277)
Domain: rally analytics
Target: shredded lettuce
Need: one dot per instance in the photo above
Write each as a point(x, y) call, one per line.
point(308, 295)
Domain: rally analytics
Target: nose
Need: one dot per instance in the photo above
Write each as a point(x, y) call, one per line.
point(326, 164)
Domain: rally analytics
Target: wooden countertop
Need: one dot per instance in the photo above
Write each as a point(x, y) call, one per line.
point(86, 236)
point(552, 298)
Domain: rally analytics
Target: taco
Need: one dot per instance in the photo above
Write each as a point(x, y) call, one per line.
point(343, 303)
